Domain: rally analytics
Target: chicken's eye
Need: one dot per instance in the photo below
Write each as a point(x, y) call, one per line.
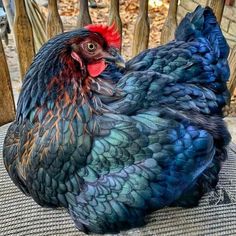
point(91, 47)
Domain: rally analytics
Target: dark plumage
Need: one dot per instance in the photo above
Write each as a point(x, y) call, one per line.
point(112, 144)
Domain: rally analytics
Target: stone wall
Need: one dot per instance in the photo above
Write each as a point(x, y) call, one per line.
point(228, 23)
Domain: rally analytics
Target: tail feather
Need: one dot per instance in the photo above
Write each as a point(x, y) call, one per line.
point(201, 26)
point(202, 23)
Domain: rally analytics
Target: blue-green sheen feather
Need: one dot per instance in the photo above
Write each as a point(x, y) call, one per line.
point(139, 139)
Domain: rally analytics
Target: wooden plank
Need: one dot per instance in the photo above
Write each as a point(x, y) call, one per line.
point(114, 16)
point(141, 29)
point(232, 65)
point(170, 25)
point(7, 106)
point(54, 24)
point(218, 8)
point(84, 16)
point(24, 37)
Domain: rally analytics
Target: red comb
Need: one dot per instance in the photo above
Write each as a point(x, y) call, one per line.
point(109, 33)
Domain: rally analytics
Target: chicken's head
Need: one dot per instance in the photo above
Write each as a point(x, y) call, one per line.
point(95, 48)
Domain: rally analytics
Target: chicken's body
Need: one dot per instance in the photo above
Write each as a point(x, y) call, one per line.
point(115, 147)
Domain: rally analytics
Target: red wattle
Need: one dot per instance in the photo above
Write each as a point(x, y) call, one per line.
point(96, 69)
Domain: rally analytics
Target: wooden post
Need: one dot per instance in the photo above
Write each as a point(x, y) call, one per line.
point(54, 24)
point(170, 25)
point(10, 14)
point(141, 29)
point(24, 37)
point(7, 106)
point(84, 17)
point(114, 15)
point(232, 66)
point(218, 8)
point(38, 23)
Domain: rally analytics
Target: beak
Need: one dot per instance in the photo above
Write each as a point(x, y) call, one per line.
point(120, 62)
point(116, 59)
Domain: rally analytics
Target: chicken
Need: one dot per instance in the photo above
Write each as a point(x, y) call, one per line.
point(112, 144)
